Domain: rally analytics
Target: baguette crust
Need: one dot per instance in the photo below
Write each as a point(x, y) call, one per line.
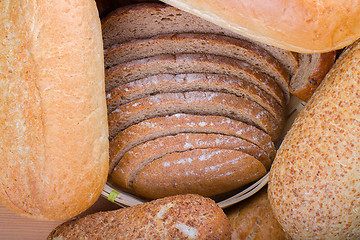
point(53, 123)
point(295, 25)
point(179, 217)
point(317, 166)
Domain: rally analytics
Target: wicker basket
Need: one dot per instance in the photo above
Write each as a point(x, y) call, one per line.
point(125, 199)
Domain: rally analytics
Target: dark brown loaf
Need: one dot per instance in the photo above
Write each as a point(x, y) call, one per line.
point(150, 19)
point(138, 157)
point(185, 123)
point(167, 83)
point(312, 70)
point(178, 217)
point(207, 172)
point(199, 43)
point(198, 103)
point(192, 63)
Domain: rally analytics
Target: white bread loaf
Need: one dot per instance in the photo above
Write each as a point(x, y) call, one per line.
point(314, 186)
point(53, 122)
point(295, 25)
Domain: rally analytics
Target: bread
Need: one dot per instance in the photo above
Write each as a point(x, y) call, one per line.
point(314, 180)
point(138, 157)
point(198, 43)
point(192, 63)
point(53, 122)
point(254, 219)
point(146, 20)
point(179, 217)
point(312, 70)
point(168, 83)
point(207, 172)
point(296, 25)
point(185, 123)
point(195, 102)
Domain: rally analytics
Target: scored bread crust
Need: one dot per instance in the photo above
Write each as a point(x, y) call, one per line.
point(185, 123)
point(138, 157)
point(295, 25)
point(53, 123)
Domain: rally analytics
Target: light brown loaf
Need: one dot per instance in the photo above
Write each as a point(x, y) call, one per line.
point(192, 63)
point(312, 70)
point(185, 123)
point(207, 172)
point(53, 123)
point(138, 157)
point(178, 217)
point(314, 181)
point(195, 102)
point(295, 25)
point(170, 83)
point(254, 219)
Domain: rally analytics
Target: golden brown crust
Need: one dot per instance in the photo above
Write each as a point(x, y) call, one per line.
point(178, 217)
point(319, 64)
point(313, 186)
point(52, 96)
point(295, 25)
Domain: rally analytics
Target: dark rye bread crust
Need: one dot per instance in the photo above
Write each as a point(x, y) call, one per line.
point(185, 123)
point(195, 102)
point(138, 157)
point(179, 217)
point(207, 172)
point(167, 83)
point(192, 63)
point(149, 19)
point(199, 43)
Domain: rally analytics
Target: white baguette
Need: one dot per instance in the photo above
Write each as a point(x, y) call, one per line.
point(294, 25)
point(53, 123)
point(314, 185)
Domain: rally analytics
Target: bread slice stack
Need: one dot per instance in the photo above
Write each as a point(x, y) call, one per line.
point(192, 107)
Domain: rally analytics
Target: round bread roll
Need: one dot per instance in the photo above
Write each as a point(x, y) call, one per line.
point(295, 25)
point(314, 187)
point(53, 122)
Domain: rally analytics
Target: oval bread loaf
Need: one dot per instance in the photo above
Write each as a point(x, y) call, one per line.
point(314, 186)
point(53, 122)
point(177, 217)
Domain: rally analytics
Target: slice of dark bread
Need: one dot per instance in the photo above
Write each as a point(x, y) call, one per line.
point(192, 63)
point(199, 43)
point(207, 172)
point(186, 123)
point(195, 102)
point(138, 157)
point(169, 83)
point(146, 20)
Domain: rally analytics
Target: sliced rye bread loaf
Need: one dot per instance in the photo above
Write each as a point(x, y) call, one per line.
point(169, 83)
point(192, 63)
point(138, 157)
point(185, 123)
point(150, 19)
point(199, 43)
point(207, 172)
point(195, 102)
point(312, 70)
